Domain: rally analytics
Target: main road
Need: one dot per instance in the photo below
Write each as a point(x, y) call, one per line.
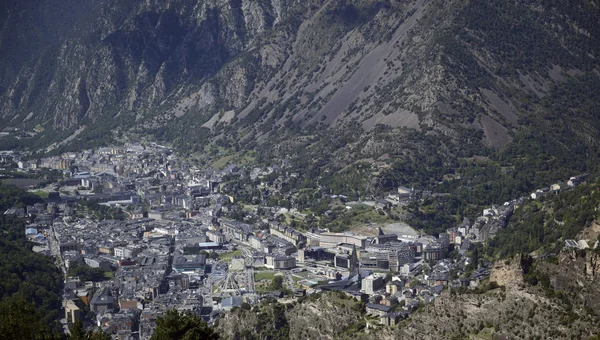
point(54, 246)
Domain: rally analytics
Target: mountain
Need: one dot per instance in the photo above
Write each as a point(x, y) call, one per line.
point(537, 289)
point(544, 298)
point(430, 81)
point(526, 298)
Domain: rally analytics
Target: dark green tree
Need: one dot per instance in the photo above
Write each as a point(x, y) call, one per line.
point(78, 333)
point(276, 283)
point(20, 320)
point(98, 335)
point(475, 257)
point(182, 326)
point(25, 275)
point(85, 272)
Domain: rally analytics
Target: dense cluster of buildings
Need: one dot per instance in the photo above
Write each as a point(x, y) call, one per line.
point(152, 260)
point(157, 258)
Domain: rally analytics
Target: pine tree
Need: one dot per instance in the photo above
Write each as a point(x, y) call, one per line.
point(20, 320)
point(78, 333)
point(182, 326)
point(475, 258)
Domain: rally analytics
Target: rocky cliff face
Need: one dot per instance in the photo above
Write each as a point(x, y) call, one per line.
point(260, 68)
point(329, 316)
point(561, 306)
point(539, 299)
point(125, 57)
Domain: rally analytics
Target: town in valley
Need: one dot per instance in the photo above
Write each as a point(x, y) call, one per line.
point(138, 231)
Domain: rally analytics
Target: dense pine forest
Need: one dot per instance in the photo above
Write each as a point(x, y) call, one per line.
point(31, 283)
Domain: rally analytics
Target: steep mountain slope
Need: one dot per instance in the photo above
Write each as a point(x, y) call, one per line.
point(326, 316)
point(127, 56)
point(466, 74)
point(31, 29)
point(561, 308)
point(536, 299)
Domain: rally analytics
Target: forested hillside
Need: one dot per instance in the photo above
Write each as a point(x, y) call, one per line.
point(543, 225)
point(29, 281)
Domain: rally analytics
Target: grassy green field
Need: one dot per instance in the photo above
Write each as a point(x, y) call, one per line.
point(372, 216)
point(22, 182)
point(302, 275)
point(222, 162)
point(238, 158)
point(264, 276)
point(41, 194)
point(226, 257)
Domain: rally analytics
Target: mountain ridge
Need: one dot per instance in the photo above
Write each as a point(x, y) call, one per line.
point(265, 74)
